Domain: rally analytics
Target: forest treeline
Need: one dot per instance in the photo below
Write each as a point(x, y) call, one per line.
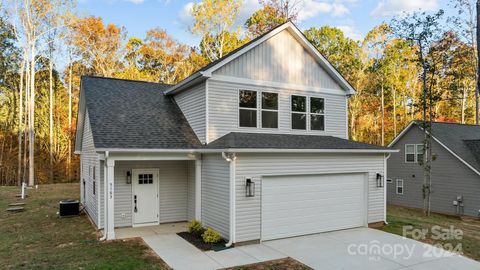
point(45, 47)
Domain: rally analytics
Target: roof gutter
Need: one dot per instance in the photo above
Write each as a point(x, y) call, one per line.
point(248, 150)
point(193, 79)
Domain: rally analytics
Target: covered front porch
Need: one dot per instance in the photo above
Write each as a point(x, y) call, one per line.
point(149, 193)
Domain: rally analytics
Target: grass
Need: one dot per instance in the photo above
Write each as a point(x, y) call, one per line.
point(280, 264)
point(398, 217)
point(38, 239)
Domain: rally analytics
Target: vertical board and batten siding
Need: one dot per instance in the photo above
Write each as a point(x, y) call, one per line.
point(450, 178)
point(89, 163)
point(280, 58)
point(223, 110)
point(173, 190)
point(215, 193)
point(248, 210)
point(192, 102)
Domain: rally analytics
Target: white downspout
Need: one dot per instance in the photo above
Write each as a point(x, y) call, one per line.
point(105, 194)
point(230, 157)
point(385, 188)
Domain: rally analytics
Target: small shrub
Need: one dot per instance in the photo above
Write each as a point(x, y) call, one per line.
point(195, 227)
point(210, 236)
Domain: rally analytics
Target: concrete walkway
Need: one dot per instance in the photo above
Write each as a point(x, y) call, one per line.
point(361, 248)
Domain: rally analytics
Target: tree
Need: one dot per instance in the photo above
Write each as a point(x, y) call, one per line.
point(423, 30)
point(214, 20)
point(264, 20)
point(98, 45)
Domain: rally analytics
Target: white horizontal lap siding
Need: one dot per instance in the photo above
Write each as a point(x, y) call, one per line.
point(89, 162)
point(248, 210)
point(192, 103)
point(223, 110)
point(279, 59)
point(173, 190)
point(215, 193)
point(191, 189)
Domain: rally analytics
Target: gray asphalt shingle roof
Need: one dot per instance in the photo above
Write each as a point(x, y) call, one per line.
point(287, 141)
point(463, 140)
point(134, 114)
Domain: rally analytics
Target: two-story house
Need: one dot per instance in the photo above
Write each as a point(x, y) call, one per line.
point(254, 145)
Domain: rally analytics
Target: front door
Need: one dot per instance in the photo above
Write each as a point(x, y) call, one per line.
point(145, 197)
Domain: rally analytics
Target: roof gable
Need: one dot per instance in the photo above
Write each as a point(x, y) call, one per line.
point(208, 70)
point(462, 141)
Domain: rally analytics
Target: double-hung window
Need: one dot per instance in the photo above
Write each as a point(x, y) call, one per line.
point(299, 112)
point(247, 108)
point(414, 153)
point(269, 110)
point(317, 113)
point(399, 186)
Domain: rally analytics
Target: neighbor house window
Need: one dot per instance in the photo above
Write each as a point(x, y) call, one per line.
point(93, 187)
point(317, 113)
point(419, 153)
point(410, 153)
point(399, 186)
point(247, 108)
point(299, 112)
point(269, 110)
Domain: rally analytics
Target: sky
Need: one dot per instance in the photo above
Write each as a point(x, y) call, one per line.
point(354, 17)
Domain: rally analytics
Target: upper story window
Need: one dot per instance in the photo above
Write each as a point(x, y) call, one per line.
point(269, 110)
point(414, 153)
point(317, 113)
point(247, 108)
point(299, 112)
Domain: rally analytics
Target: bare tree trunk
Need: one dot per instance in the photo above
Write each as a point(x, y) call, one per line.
point(69, 159)
point(478, 64)
point(50, 75)
point(20, 126)
point(31, 131)
point(383, 116)
point(464, 101)
point(394, 112)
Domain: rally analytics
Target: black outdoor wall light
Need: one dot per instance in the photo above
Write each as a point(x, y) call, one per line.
point(379, 180)
point(249, 188)
point(129, 177)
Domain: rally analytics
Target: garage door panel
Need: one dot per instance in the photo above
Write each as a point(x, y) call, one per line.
point(299, 205)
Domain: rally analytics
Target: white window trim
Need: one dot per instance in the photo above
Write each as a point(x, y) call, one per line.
point(244, 108)
point(310, 113)
point(398, 186)
point(414, 153)
point(269, 110)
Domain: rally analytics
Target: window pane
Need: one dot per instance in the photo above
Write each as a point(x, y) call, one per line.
point(317, 122)
point(299, 121)
point(299, 104)
point(410, 149)
point(248, 99)
point(248, 118)
point(270, 101)
point(410, 157)
point(317, 105)
point(269, 119)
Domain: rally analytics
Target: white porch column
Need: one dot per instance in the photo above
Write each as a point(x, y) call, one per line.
point(109, 222)
point(198, 188)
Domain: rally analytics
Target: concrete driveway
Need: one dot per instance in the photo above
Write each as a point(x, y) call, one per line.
point(360, 248)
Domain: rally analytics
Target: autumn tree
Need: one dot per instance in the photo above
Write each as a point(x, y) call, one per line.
point(214, 23)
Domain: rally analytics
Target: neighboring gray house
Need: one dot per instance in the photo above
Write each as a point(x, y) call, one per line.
point(255, 145)
point(455, 169)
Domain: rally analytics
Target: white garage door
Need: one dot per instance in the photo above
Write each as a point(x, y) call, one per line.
point(299, 205)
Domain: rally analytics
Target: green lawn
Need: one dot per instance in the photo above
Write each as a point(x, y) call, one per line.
point(38, 239)
point(398, 217)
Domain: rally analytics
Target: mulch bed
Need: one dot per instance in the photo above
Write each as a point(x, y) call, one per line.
point(280, 264)
point(197, 241)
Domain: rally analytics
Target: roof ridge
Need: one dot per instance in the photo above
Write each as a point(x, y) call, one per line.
point(449, 123)
point(125, 80)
